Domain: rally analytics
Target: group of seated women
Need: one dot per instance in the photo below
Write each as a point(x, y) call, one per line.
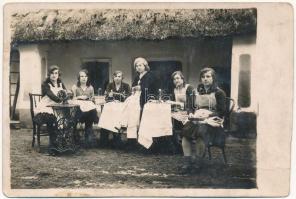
point(202, 106)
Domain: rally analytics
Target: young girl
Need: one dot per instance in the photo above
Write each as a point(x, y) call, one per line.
point(84, 92)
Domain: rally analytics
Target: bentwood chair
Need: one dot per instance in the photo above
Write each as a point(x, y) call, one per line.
point(38, 123)
point(217, 137)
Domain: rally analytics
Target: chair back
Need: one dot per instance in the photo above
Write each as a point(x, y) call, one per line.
point(34, 99)
point(230, 103)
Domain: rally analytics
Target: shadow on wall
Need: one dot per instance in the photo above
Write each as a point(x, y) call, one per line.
point(244, 124)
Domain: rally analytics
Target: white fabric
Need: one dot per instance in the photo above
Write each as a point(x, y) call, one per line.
point(214, 121)
point(202, 113)
point(84, 105)
point(126, 114)
point(45, 101)
point(130, 116)
point(111, 116)
point(156, 122)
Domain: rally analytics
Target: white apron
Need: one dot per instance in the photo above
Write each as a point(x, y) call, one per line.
point(45, 101)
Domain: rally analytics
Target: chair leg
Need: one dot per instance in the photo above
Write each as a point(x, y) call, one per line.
point(209, 151)
point(204, 153)
point(38, 136)
point(224, 155)
point(34, 134)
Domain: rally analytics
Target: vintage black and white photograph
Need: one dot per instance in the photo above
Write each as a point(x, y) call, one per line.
point(132, 98)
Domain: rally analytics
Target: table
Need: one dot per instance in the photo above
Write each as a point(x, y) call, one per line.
point(66, 121)
point(155, 122)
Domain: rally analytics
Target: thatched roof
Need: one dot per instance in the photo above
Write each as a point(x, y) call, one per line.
point(118, 24)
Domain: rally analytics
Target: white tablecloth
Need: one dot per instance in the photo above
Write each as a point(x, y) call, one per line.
point(84, 105)
point(156, 122)
point(111, 116)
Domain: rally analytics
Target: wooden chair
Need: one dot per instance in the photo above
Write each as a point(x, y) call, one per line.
point(38, 127)
point(216, 138)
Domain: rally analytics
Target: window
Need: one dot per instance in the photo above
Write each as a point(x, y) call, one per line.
point(98, 72)
point(244, 92)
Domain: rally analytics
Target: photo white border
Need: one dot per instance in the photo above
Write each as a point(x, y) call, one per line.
point(215, 192)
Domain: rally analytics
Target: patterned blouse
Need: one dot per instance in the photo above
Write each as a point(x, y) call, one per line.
point(78, 91)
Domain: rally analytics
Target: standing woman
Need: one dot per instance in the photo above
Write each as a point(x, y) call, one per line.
point(210, 104)
point(145, 81)
point(145, 85)
point(84, 92)
point(49, 89)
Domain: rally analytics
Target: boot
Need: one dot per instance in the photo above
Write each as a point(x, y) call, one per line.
point(186, 167)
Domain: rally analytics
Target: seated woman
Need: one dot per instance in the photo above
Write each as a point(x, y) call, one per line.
point(210, 105)
point(182, 101)
point(49, 88)
point(117, 90)
point(87, 113)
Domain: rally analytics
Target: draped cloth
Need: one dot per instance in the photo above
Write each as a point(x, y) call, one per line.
point(111, 116)
point(156, 122)
point(127, 114)
point(84, 105)
point(130, 116)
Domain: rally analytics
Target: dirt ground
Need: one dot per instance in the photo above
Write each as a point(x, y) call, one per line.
point(112, 168)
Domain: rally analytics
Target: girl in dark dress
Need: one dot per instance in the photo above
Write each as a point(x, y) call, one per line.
point(210, 105)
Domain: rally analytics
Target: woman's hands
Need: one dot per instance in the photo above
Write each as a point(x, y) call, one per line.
point(82, 97)
point(136, 88)
point(110, 94)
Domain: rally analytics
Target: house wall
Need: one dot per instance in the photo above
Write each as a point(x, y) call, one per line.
point(243, 119)
point(193, 53)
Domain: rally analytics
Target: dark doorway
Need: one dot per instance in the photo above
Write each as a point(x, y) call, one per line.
point(98, 72)
point(164, 70)
point(223, 75)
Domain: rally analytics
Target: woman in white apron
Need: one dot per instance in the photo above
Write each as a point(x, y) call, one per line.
point(145, 86)
point(83, 94)
point(50, 87)
point(210, 106)
point(182, 100)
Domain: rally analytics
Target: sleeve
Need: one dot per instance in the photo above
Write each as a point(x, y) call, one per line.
point(73, 89)
point(63, 85)
point(128, 90)
point(46, 91)
point(108, 89)
point(135, 82)
point(221, 102)
point(91, 92)
point(190, 99)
